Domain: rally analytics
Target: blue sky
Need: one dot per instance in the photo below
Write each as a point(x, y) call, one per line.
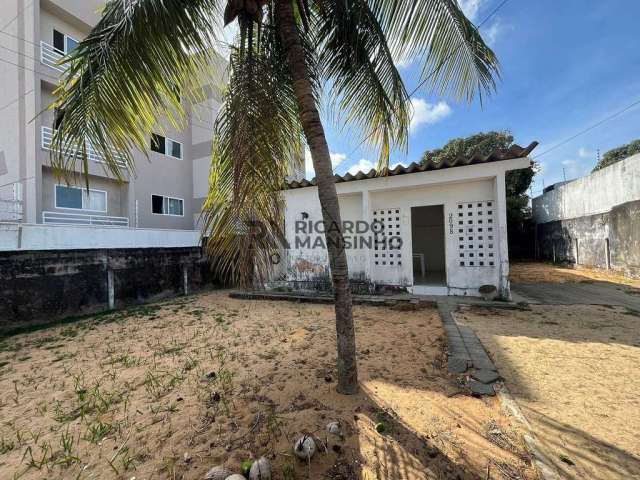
point(565, 65)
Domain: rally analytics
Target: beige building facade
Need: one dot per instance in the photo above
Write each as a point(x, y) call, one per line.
point(170, 182)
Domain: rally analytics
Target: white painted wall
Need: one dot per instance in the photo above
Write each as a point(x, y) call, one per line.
point(445, 187)
point(65, 237)
point(596, 193)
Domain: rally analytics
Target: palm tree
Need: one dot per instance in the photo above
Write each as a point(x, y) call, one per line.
point(290, 59)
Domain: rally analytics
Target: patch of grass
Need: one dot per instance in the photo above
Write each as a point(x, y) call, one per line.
point(84, 321)
point(97, 431)
point(63, 356)
point(67, 456)
point(6, 445)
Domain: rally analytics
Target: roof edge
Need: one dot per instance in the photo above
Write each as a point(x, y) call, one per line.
point(514, 152)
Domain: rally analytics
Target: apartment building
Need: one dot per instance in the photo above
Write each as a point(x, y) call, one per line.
point(167, 189)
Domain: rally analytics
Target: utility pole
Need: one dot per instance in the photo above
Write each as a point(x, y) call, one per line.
point(564, 174)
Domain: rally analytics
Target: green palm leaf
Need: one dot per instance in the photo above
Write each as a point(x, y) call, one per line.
point(258, 140)
point(455, 60)
point(365, 84)
point(123, 77)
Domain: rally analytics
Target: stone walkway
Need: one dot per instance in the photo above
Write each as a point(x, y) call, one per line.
point(466, 353)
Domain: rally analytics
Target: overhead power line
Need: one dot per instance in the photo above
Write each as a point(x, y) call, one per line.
point(588, 129)
point(15, 100)
point(29, 69)
point(16, 16)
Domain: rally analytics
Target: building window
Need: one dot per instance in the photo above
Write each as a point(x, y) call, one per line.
point(79, 199)
point(161, 205)
point(166, 146)
point(63, 43)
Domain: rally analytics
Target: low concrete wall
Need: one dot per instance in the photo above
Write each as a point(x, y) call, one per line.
point(16, 236)
point(608, 240)
point(40, 286)
point(596, 193)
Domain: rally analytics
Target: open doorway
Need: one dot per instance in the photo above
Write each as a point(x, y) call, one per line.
point(427, 237)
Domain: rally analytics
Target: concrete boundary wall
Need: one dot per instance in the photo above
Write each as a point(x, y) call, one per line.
point(41, 286)
point(593, 194)
point(608, 240)
point(17, 236)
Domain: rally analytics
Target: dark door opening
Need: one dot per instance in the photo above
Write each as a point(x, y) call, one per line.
point(427, 237)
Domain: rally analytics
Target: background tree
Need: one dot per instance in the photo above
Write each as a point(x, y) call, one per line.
point(483, 143)
point(620, 153)
point(122, 78)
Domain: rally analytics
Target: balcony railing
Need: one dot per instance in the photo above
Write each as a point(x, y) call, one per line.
point(10, 210)
point(60, 218)
point(49, 56)
point(92, 153)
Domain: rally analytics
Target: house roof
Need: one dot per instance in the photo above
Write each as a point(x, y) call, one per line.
point(514, 152)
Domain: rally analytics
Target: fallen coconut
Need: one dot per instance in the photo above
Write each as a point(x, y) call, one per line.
point(334, 428)
point(304, 448)
point(260, 470)
point(219, 472)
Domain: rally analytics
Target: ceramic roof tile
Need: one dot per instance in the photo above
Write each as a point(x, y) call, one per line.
point(512, 153)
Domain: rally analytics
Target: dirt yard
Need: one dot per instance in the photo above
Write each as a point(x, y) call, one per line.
point(172, 389)
point(573, 371)
point(537, 272)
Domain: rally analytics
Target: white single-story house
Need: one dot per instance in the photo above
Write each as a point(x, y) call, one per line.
point(438, 229)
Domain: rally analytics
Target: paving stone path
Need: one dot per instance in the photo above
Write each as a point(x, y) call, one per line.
point(466, 353)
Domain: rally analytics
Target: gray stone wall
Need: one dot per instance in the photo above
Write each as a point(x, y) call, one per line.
point(608, 240)
point(40, 286)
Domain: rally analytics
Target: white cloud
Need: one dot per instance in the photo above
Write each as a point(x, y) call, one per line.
point(336, 159)
point(572, 168)
point(492, 33)
point(393, 165)
point(404, 61)
point(585, 153)
point(363, 165)
point(470, 8)
point(427, 113)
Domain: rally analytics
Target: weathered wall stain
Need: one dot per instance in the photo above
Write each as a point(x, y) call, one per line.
point(37, 286)
point(607, 240)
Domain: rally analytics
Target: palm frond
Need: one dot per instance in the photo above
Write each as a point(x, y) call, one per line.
point(124, 76)
point(455, 59)
point(366, 86)
point(257, 138)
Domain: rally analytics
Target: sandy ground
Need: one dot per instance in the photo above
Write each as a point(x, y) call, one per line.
point(573, 371)
point(537, 272)
point(172, 389)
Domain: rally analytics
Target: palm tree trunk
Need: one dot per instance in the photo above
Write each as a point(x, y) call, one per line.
point(314, 133)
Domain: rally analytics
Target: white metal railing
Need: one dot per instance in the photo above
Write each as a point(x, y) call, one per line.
point(50, 57)
point(61, 218)
point(92, 154)
point(10, 210)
